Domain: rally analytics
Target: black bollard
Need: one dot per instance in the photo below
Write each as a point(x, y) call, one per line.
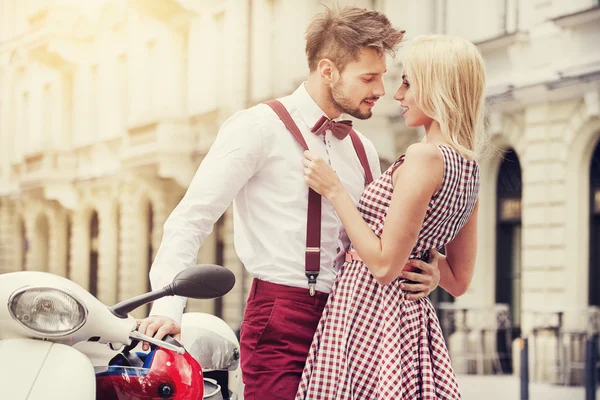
point(524, 369)
point(591, 354)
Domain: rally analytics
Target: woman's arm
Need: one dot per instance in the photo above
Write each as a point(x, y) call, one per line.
point(457, 267)
point(415, 182)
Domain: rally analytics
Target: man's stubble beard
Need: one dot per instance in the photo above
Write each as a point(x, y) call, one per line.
point(344, 103)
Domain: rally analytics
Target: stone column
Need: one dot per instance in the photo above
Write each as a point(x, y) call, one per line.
point(8, 236)
point(80, 249)
point(161, 212)
point(545, 275)
point(108, 252)
point(57, 241)
point(133, 275)
point(543, 166)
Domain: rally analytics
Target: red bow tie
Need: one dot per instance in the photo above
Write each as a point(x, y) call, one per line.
point(340, 129)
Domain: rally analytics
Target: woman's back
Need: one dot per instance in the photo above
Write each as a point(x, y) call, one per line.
point(449, 208)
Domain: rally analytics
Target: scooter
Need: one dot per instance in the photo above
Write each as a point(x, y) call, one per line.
point(57, 341)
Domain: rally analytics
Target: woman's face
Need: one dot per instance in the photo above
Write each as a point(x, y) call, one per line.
point(413, 115)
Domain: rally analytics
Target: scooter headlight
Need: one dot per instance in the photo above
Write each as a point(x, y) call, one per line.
point(47, 311)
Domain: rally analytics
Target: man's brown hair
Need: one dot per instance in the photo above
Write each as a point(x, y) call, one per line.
point(340, 34)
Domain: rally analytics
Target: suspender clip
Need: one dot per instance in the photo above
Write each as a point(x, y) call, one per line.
point(312, 281)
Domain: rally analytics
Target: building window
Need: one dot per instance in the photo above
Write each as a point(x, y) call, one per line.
point(494, 18)
point(594, 262)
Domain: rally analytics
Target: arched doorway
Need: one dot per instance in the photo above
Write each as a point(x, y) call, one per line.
point(508, 249)
point(594, 262)
point(94, 233)
point(41, 247)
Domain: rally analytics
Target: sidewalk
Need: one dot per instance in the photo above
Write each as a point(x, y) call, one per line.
point(501, 387)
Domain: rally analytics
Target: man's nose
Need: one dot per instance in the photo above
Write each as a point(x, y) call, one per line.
point(379, 90)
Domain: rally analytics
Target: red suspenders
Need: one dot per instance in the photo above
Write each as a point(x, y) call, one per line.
point(313, 225)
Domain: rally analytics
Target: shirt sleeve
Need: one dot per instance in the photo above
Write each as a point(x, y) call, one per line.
point(235, 156)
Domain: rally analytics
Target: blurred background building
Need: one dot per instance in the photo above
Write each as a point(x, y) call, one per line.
point(107, 108)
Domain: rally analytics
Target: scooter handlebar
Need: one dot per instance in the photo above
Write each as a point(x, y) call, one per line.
point(135, 335)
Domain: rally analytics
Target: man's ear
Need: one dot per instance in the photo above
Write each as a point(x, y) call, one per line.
point(326, 69)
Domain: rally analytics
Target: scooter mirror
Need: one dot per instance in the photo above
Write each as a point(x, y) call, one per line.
point(204, 281)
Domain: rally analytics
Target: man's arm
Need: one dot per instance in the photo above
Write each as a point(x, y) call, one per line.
point(235, 156)
point(426, 280)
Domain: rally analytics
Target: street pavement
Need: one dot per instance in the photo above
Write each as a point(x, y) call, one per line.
point(502, 387)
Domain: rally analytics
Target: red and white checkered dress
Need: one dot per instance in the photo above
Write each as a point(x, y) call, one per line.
point(371, 342)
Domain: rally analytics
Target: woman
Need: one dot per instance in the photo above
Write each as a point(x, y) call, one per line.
point(374, 341)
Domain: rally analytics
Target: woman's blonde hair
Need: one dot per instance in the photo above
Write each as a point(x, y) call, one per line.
point(447, 77)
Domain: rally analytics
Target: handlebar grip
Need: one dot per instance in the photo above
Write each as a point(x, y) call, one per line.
point(135, 335)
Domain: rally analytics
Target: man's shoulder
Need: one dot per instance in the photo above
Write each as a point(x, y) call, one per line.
point(255, 117)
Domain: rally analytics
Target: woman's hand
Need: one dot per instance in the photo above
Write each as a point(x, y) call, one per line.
point(320, 176)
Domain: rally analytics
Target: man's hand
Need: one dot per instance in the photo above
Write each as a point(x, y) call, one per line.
point(158, 327)
point(425, 280)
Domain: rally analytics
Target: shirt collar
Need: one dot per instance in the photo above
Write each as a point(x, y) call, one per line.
point(307, 107)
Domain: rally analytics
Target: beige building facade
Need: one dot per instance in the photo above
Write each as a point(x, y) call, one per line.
point(107, 107)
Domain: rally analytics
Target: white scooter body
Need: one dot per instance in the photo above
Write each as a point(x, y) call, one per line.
point(37, 365)
point(32, 369)
point(37, 370)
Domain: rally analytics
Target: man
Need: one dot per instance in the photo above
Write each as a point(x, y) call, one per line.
point(256, 162)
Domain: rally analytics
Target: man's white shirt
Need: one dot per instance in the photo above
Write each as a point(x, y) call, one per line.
point(257, 163)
